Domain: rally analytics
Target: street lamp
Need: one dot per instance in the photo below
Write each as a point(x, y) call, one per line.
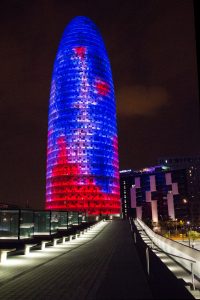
point(188, 232)
point(176, 225)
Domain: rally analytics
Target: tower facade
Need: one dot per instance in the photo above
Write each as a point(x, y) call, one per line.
point(82, 153)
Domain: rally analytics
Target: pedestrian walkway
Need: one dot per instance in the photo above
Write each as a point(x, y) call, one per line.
point(104, 266)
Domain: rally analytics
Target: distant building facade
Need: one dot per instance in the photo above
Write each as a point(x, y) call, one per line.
point(155, 193)
point(192, 169)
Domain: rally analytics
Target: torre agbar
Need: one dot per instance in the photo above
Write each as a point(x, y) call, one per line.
point(82, 155)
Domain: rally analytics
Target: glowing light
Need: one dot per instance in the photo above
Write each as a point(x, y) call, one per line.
point(102, 87)
point(82, 153)
point(125, 171)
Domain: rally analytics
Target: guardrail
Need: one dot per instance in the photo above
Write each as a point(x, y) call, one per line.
point(27, 223)
point(184, 255)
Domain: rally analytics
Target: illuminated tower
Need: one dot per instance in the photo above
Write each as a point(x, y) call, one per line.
point(82, 155)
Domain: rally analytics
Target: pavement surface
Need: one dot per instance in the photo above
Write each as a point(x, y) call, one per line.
point(101, 264)
point(194, 244)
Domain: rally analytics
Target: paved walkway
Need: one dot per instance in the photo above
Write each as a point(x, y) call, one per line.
point(106, 267)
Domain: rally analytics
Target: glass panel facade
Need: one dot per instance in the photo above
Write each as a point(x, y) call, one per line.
point(72, 218)
point(63, 221)
point(42, 222)
point(81, 217)
point(58, 220)
point(9, 224)
point(26, 224)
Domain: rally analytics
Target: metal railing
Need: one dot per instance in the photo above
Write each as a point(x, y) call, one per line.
point(188, 258)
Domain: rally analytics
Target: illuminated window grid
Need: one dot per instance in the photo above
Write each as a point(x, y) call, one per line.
point(82, 154)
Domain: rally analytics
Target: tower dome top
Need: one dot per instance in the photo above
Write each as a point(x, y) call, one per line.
point(82, 21)
point(81, 30)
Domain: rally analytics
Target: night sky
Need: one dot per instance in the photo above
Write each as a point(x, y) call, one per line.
point(151, 46)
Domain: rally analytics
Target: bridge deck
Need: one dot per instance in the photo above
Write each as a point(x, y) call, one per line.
point(106, 267)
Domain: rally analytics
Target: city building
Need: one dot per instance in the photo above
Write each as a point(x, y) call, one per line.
point(179, 162)
point(155, 193)
point(192, 169)
point(82, 153)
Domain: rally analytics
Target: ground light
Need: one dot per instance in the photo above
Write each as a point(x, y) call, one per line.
point(34, 257)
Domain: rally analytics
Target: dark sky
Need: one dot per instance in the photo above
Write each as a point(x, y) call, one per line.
point(151, 45)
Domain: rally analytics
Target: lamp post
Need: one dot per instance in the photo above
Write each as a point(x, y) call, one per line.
point(188, 231)
point(176, 225)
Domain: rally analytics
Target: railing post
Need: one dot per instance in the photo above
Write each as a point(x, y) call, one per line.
point(135, 237)
point(19, 224)
point(50, 215)
point(131, 228)
point(33, 219)
point(192, 274)
point(147, 259)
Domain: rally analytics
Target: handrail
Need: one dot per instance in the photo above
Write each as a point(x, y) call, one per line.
point(169, 255)
point(193, 261)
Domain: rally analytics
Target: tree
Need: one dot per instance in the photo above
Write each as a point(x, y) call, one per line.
point(193, 235)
